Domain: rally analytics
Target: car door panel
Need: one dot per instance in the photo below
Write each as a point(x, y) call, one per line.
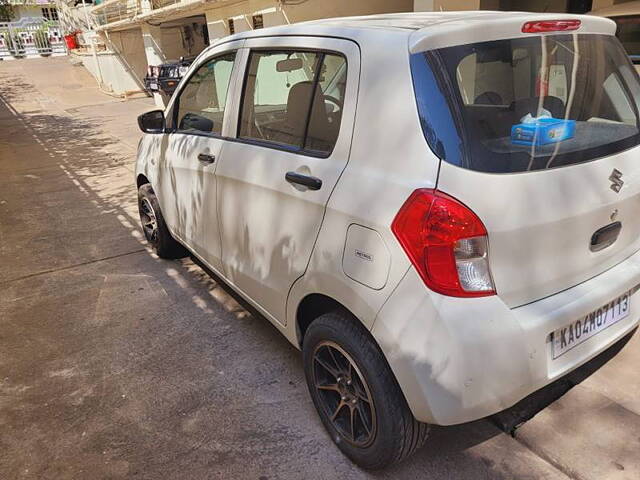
point(187, 183)
point(268, 224)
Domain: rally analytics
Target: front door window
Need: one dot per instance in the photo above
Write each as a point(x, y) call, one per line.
point(200, 107)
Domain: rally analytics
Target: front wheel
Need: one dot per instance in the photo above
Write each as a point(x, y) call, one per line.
point(153, 225)
point(356, 394)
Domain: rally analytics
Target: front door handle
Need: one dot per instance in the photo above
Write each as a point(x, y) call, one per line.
point(206, 158)
point(312, 183)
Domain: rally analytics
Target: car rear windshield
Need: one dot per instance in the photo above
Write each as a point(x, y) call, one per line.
point(529, 103)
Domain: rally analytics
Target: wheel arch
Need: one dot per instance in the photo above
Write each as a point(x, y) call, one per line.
point(141, 179)
point(313, 306)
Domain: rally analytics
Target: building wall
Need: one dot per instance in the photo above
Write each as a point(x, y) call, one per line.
point(129, 49)
point(534, 6)
point(598, 4)
point(176, 42)
point(114, 73)
point(274, 13)
point(22, 11)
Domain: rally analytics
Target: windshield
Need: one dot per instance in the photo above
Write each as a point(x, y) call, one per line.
point(528, 103)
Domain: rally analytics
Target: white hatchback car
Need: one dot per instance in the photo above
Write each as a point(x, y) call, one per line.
point(441, 210)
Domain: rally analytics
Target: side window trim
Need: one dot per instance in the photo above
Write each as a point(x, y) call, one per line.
point(321, 52)
point(175, 107)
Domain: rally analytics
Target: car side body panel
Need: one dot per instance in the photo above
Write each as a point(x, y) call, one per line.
point(386, 133)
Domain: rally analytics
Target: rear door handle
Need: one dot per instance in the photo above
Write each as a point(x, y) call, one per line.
point(312, 183)
point(206, 158)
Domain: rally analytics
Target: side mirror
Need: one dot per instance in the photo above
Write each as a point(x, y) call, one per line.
point(152, 122)
point(192, 121)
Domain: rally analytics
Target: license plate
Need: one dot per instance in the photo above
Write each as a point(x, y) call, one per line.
point(153, 86)
point(565, 338)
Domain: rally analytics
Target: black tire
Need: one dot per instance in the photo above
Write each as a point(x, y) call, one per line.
point(394, 433)
point(158, 236)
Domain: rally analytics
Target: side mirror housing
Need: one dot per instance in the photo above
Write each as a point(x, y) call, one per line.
point(152, 122)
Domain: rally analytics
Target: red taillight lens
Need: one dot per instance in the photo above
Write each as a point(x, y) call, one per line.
point(446, 243)
point(550, 26)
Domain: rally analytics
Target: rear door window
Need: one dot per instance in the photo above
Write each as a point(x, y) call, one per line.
point(528, 103)
point(293, 99)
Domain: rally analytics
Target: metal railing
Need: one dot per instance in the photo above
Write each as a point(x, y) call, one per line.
point(112, 11)
point(156, 4)
point(30, 36)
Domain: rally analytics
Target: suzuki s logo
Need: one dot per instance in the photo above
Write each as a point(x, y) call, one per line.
point(616, 178)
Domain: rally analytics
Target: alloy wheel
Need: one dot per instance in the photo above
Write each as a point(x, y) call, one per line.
point(344, 394)
point(149, 220)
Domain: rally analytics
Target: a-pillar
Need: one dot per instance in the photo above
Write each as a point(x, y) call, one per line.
point(152, 40)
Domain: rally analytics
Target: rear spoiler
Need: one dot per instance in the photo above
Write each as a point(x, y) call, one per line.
point(489, 26)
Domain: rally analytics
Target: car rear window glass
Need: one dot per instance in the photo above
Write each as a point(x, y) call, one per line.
point(201, 104)
point(529, 103)
point(293, 99)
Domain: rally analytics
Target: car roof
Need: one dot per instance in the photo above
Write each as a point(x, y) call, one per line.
point(428, 30)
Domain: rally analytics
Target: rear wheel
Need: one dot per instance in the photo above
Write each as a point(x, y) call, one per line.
point(153, 225)
point(356, 394)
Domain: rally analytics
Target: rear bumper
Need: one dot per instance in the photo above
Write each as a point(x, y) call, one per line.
point(458, 360)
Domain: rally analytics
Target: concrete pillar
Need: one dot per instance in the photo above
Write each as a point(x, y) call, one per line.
point(216, 25)
point(152, 40)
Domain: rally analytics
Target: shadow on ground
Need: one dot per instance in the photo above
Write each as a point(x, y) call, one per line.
point(115, 364)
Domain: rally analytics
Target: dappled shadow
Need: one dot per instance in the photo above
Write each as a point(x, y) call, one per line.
point(123, 364)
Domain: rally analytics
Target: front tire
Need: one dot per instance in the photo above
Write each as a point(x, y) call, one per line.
point(154, 227)
point(356, 394)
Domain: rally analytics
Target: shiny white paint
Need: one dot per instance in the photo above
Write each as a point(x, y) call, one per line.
point(455, 359)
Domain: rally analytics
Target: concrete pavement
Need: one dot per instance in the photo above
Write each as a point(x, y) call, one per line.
point(116, 364)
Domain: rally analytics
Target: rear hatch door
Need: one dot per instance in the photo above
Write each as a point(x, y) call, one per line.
point(547, 128)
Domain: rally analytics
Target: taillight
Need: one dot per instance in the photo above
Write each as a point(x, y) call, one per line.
point(446, 243)
point(541, 26)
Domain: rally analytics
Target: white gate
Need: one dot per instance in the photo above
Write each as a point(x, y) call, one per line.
point(31, 36)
